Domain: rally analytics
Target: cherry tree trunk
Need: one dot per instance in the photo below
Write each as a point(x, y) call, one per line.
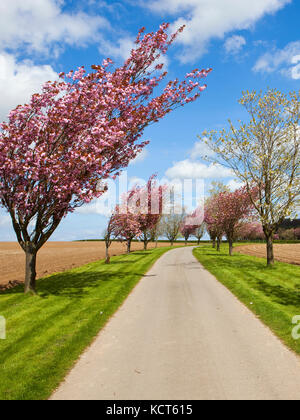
point(145, 245)
point(270, 250)
point(128, 246)
point(230, 241)
point(107, 256)
point(30, 271)
point(214, 242)
point(218, 244)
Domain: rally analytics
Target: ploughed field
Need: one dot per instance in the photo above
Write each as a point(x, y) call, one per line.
point(57, 257)
point(289, 253)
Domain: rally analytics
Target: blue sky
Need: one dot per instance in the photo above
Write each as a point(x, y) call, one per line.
point(249, 45)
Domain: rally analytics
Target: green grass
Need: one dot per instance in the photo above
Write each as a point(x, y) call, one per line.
point(47, 333)
point(272, 293)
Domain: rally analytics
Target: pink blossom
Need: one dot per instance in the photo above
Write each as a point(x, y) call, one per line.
point(81, 129)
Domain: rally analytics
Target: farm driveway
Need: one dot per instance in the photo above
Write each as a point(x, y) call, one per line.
point(182, 335)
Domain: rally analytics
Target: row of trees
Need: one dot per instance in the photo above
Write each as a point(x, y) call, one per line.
point(138, 216)
point(141, 216)
point(56, 150)
point(254, 231)
point(233, 215)
point(263, 153)
point(174, 226)
point(227, 213)
point(289, 234)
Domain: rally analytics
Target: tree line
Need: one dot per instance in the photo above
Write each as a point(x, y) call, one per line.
point(143, 215)
point(264, 154)
point(56, 151)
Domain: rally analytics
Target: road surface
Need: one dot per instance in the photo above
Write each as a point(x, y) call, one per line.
point(182, 335)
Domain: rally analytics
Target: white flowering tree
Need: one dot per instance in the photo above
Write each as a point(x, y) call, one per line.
point(264, 153)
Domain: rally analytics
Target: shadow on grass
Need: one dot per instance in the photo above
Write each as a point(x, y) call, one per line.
point(282, 295)
point(75, 285)
point(252, 271)
point(224, 260)
point(127, 258)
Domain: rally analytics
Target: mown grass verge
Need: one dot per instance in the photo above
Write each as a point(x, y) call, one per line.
point(47, 333)
point(272, 293)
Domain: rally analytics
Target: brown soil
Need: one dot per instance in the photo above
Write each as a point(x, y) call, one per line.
point(56, 257)
point(289, 253)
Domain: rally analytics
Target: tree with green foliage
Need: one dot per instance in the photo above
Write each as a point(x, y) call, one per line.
point(170, 226)
point(264, 153)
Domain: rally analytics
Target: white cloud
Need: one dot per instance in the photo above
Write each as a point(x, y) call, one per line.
point(234, 185)
point(36, 26)
point(295, 59)
point(133, 181)
point(40, 24)
point(234, 44)
point(196, 170)
point(19, 80)
point(200, 150)
point(121, 49)
point(95, 207)
point(140, 157)
point(209, 19)
point(295, 71)
point(103, 206)
point(191, 168)
point(286, 60)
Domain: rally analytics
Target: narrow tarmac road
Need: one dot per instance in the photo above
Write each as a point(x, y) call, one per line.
point(182, 335)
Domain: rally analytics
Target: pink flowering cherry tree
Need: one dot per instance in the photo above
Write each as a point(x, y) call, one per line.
point(139, 213)
point(148, 207)
point(125, 227)
point(82, 129)
point(212, 232)
point(212, 218)
point(191, 224)
point(251, 231)
point(233, 207)
point(297, 233)
point(187, 231)
point(225, 211)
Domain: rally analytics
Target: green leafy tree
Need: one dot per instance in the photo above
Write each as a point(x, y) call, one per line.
point(170, 226)
point(264, 153)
